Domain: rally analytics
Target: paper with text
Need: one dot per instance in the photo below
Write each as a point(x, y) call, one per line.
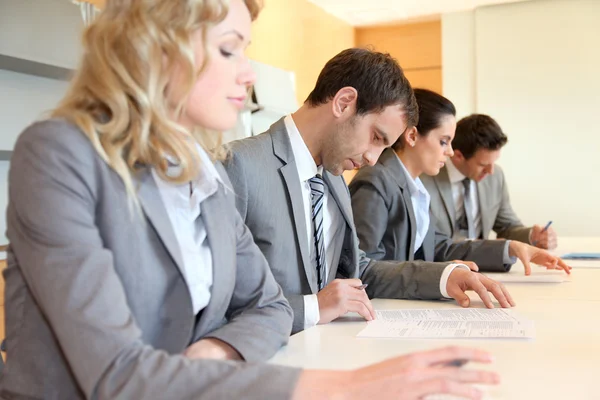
point(448, 323)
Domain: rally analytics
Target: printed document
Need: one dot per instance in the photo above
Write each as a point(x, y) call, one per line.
point(448, 323)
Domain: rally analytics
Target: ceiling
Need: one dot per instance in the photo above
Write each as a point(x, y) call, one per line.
point(374, 12)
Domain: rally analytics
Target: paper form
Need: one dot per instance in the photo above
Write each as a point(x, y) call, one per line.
point(448, 323)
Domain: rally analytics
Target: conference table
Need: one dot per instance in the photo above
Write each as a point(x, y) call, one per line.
point(561, 362)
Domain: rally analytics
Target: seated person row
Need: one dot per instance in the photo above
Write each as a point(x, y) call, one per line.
point(291, 196)
point(471, 170)
point(130, 272)
point(392, 210)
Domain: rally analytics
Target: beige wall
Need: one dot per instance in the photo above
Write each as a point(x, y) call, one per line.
point(296, 35)
point(458, 55)
point(416, 46)
point(539, 79)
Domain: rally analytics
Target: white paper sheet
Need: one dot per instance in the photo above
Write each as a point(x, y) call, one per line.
point(535, 277)
point(448, 323)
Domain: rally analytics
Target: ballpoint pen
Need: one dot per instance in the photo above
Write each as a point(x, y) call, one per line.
point(543, 230)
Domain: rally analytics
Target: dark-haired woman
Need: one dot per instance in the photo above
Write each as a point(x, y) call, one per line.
point(391, 205)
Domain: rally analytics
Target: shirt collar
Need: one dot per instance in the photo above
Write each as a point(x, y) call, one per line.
point(207, 182)
point(307, 168)
point(453, 173)
point(414, 185)
point(208, 179)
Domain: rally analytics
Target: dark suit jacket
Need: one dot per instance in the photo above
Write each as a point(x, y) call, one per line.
point(386, 223)
point(269, 198)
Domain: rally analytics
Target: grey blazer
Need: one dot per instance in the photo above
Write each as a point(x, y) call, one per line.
point(96, 303)
point(386, 223)
point(269, 198)
point(494, 205)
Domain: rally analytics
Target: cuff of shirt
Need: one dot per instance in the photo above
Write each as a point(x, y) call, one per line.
point(311, 311)
point(506, 259)
point(446, 274)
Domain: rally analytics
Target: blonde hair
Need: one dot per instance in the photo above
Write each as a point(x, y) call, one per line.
point(118, 95)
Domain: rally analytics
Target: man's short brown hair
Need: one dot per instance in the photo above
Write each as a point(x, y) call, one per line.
point(377, 77)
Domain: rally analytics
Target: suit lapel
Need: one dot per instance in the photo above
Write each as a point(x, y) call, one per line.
point(485, 223)
point(339, 192)
point(429, 243)
point(151, 202)
point(218, 235)
point(392, 163)
point(442, 180)
point(411, 216)
point(282, 148)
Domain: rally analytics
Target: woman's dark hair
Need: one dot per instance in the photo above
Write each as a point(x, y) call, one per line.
point(433, 108)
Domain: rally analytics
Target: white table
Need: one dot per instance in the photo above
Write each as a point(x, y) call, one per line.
point(562, 362)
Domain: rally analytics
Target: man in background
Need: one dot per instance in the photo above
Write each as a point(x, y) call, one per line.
point(469, 197)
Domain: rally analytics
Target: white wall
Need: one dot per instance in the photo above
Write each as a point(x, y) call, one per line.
point(45, 31)
point(23, 99)
point(458, 60)
point(537, 68)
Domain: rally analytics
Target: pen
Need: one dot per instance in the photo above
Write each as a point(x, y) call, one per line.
point(361, 287)
point(543, 230)
point(456, 363)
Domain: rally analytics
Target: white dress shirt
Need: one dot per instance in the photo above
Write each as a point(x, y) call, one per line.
point(182, 203)
point(333, 221)
point(458, 195)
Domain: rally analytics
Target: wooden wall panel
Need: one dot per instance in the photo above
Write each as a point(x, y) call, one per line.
point(414, 45)
point(426, 78)
point(417, 47)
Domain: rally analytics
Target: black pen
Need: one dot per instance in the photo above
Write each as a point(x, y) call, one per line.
point(459, 362)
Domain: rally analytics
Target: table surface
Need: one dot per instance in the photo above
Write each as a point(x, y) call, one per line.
point(562, 362)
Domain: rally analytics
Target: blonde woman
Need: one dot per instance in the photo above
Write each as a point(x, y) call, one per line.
point(130, 274)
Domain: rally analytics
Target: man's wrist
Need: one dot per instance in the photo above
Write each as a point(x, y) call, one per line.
point(446, 276)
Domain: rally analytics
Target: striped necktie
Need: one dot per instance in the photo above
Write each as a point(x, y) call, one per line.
point(317, 190)
point(465, 221)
